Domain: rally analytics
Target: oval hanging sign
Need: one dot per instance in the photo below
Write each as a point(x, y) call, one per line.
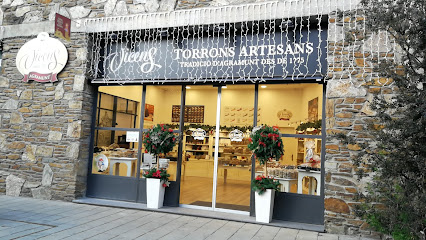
point(41, 59)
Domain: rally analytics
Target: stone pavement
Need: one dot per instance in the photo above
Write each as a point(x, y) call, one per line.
point(28, 218)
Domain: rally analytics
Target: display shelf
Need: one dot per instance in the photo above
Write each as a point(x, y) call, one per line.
point(190, 150)
point(237, 154)
point(194, 144)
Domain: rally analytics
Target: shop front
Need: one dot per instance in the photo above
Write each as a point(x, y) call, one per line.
point(211, 84)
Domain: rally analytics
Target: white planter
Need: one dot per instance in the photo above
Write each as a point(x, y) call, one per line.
point(264, 206)
point(154, 193)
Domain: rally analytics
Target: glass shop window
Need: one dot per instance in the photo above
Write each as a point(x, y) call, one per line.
point(116, 117)
point(296, 110)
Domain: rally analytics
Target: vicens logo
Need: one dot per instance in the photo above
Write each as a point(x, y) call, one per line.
point(146, 59)
point(41, 59)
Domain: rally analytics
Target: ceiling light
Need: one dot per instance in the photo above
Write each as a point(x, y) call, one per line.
point(188, 87)
point(263, 86)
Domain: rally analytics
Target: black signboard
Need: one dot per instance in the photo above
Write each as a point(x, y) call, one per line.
point(222, 57)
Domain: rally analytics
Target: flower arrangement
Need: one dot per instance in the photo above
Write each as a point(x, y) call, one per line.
point(266, 143)
point(159, 140)
point(261, 183)
point(160, 174)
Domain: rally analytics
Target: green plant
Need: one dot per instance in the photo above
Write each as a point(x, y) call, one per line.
point(159, 140)
point(306, 125)
point(394, 156)
point(261, 183)
point(266, 143)
point(160, 174)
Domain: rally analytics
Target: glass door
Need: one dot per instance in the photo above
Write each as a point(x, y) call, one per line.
point(234, 158)
point(216, 162)
point(197, 167)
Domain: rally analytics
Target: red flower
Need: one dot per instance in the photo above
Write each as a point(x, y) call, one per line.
point(258, 178)
point(164, 185)
point(146, 151)
point(250, 140)
point(173, 139)
point(170, 130)
point(279, 144)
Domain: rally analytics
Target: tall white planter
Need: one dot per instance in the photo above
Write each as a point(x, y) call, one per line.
point(264, 206)
point(154, 193)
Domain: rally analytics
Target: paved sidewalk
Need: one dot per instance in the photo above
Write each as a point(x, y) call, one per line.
point(27, 218)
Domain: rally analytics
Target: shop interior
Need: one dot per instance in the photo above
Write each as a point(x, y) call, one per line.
point(293, 108)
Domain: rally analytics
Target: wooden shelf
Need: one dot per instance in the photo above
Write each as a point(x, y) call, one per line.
point(196, 150)
point(194, 144)
point(237, 154)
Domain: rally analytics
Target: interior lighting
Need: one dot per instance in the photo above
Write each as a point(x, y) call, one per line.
point(224, 87)
point(263, 86)
point(188, 87)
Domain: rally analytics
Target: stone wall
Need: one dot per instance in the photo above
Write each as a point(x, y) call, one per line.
point(45, 128)
point(351, 82)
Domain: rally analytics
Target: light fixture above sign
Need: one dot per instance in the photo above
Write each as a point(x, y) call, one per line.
point(41, 59)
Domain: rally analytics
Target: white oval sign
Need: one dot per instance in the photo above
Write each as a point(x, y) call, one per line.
point(41, 59)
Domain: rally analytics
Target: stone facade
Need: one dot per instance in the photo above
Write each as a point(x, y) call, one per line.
point(44, 128)
point(40, 156)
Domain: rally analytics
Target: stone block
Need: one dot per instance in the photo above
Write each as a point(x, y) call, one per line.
point(17, 3)
point(75, 105)
point(73, 150)
point(4, 82)
point(59, 91)
point(134, 9)
point(55, 136)
point(152, 5)
point(342, 181)
point(109, 7)
point(47, 176)
point(22, 10)
point(98, 1)
point(16, 118)
point(344, 88)
point(53, 10)
point(17, 145)
point(44, 151)
point(14, 185)
point(336, 205)
point(81, 54)
point(79, 12)
point(6, 2)
point(78, 83)
point(167, 5)
point(74, 129)
point(30, 152)
point(42, 193)
point(35, 16)
point(10, 104)
point(48, 110)
point(120, 9)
